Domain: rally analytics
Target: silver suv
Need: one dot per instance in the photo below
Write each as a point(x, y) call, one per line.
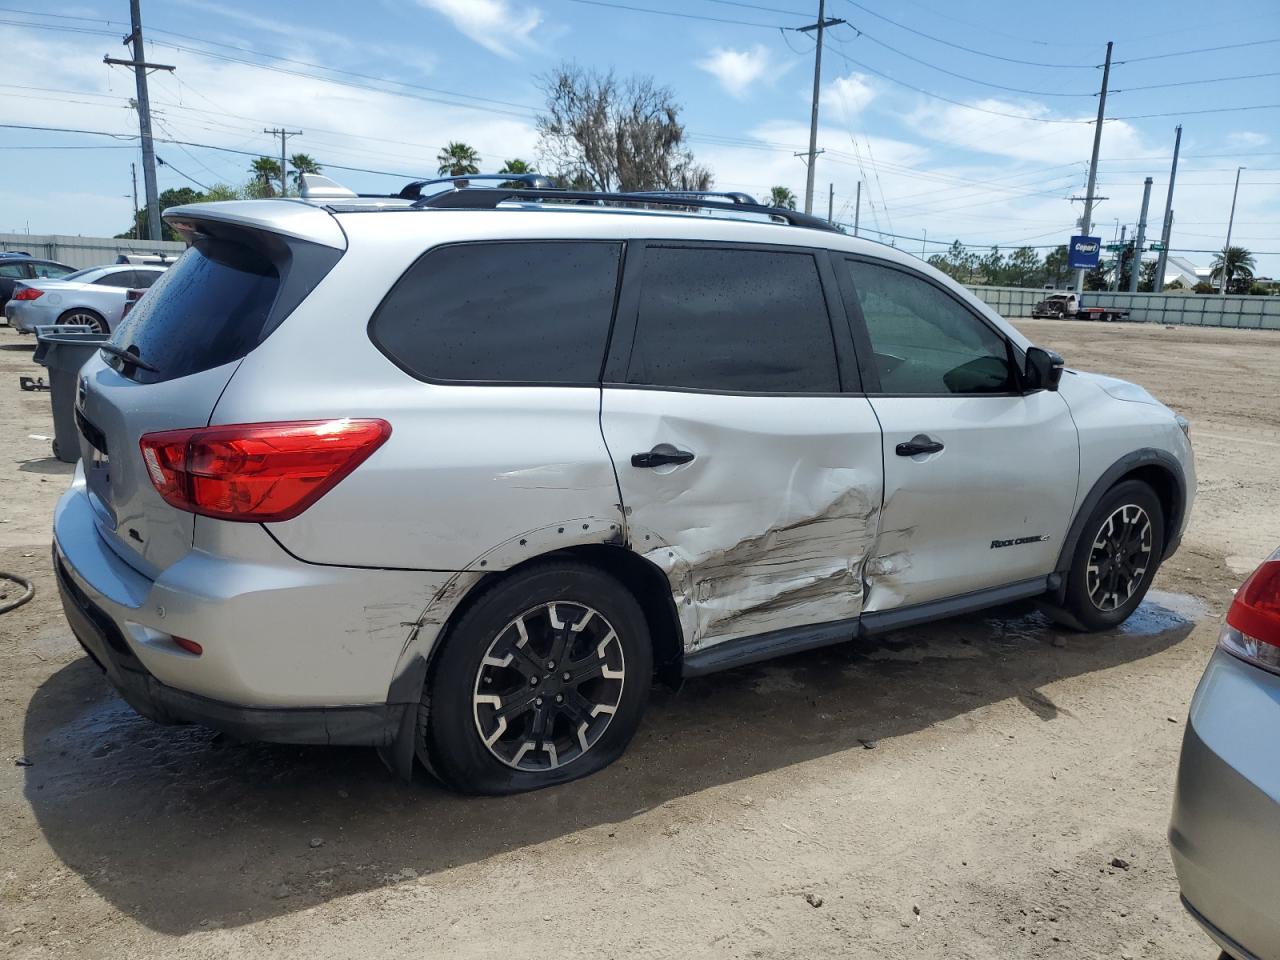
point(457, 473)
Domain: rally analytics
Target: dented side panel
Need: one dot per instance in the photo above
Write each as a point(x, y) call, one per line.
point(770, 524)
point(990, 508)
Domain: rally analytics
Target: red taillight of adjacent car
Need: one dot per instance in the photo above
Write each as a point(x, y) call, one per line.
point(257, 472)
point(1252, 630)
point(27, 293)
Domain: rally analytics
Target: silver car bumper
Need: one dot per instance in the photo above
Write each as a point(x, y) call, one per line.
point(1225, 832)
point(293, 652)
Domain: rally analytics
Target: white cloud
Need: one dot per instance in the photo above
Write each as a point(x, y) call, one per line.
point(1248, 138)
point(497, 25)
point(848, 94)
point(737, 70)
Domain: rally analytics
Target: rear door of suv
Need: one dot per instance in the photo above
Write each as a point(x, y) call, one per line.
point(748, 460)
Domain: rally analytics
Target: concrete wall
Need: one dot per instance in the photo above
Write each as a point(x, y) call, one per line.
point(80, 252)
point(1207, 310)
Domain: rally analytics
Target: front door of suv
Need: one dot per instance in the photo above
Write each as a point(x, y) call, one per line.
point(748, 461)
point(980, 478)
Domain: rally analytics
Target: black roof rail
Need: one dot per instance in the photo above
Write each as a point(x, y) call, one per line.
point(536, 181)
point(487, 198)
point(736, 196)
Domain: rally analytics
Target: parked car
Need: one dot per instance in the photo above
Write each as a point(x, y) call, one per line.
point(1225, 833)
point(455, 473)
point(17, 267)
point(93, 298)
point(147, 259)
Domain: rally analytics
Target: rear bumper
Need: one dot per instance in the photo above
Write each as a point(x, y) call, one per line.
point(373, 725)
point(1225, 833)
point(293, 652)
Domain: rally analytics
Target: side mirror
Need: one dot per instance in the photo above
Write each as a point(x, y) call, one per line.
point(1043, 369)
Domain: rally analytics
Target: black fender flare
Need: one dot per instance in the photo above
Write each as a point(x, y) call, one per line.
point(1146, 457)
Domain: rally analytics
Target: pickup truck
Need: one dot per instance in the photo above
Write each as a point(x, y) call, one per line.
point(1064, 305)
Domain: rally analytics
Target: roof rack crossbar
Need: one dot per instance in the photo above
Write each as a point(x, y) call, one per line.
point(737, 196)
point(536, 181)
point(487, 198)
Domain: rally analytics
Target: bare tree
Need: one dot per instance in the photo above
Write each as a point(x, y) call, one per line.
point(615, 135)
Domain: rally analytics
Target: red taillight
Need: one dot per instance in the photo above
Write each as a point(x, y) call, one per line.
point(259, 472)
point(27, 293)
point(1252, 630)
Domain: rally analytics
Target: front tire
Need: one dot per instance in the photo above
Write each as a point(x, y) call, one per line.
point(542, 681)
point(1117, 557)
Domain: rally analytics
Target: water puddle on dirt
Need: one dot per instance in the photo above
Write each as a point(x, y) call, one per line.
point(1161, 611)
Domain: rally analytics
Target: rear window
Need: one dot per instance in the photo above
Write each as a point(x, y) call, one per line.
point(209, 308)
point(505, 312)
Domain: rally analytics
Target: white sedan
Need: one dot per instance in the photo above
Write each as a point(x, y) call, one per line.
point(92, 298)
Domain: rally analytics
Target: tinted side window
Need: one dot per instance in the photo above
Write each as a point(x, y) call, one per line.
point(516, 312)
point(118, 278)
point(51, 270)
point(750, 321)
point(924, 341)
point(142, 279)
point(14, 271)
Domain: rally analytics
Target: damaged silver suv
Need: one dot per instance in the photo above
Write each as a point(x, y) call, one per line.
point(456, 473)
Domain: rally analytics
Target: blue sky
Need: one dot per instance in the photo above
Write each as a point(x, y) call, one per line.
point(951, 113)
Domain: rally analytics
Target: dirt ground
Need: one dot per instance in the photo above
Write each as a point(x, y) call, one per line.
point(953, 791)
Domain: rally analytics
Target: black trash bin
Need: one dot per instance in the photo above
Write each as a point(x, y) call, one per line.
point(64, 353)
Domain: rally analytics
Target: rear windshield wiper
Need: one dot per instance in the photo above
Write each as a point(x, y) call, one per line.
point(127, 356)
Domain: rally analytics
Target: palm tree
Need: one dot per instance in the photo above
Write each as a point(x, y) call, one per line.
point(1238, 262)
point(517, 166)
point(782, 197)
point(266, 174)
point(458, 160)
point(299, 164)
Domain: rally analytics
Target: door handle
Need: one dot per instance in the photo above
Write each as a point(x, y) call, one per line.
point(920, 443)
point(660, 458)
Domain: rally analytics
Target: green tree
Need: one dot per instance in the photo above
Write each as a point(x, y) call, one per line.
point(1096, 279)
point(1147, 276)
point(265, 174)
point(1055, 266)
point(991, 267)
point(517, 166)
point(223, 191)
point(1238, 263)
point(457, 160)
point(299, 164)
point(169, 198)
point(1023, 267)
point(616, 135)
point(782, 197)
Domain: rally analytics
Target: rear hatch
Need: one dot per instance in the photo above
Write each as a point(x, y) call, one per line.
point(224, 296)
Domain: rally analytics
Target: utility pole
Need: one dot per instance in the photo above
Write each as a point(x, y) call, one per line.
point(923, 243)
point(1086, 221)
point(140, 68)
point(820, 26)
point(857, 208)
point(1136, 268)
point(133, 172)
point(831, 202)
point(284, 135)
point(1119, 260)
point(1163, 262)
point(1230, 223)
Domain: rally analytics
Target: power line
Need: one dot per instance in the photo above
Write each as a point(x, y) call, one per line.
point(181, 174)
point(958, 103)
point(985, 83)
point(674, 13)
point(1187, 53)
point(1192, 83)
point(1187, 113)
point(959, 46)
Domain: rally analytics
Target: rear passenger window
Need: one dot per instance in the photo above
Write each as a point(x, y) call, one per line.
point(511, 312)
point(737, 321)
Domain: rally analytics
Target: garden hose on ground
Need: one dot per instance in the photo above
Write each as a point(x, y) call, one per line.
point(7, 605)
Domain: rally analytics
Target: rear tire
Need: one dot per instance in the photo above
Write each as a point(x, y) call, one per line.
point(1117, 557)
point(84, 317)
point(542, 681)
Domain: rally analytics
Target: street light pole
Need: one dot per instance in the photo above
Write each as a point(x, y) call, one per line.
point(1230, 222)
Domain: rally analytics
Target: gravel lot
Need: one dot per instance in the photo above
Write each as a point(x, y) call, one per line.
point(953, 791)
